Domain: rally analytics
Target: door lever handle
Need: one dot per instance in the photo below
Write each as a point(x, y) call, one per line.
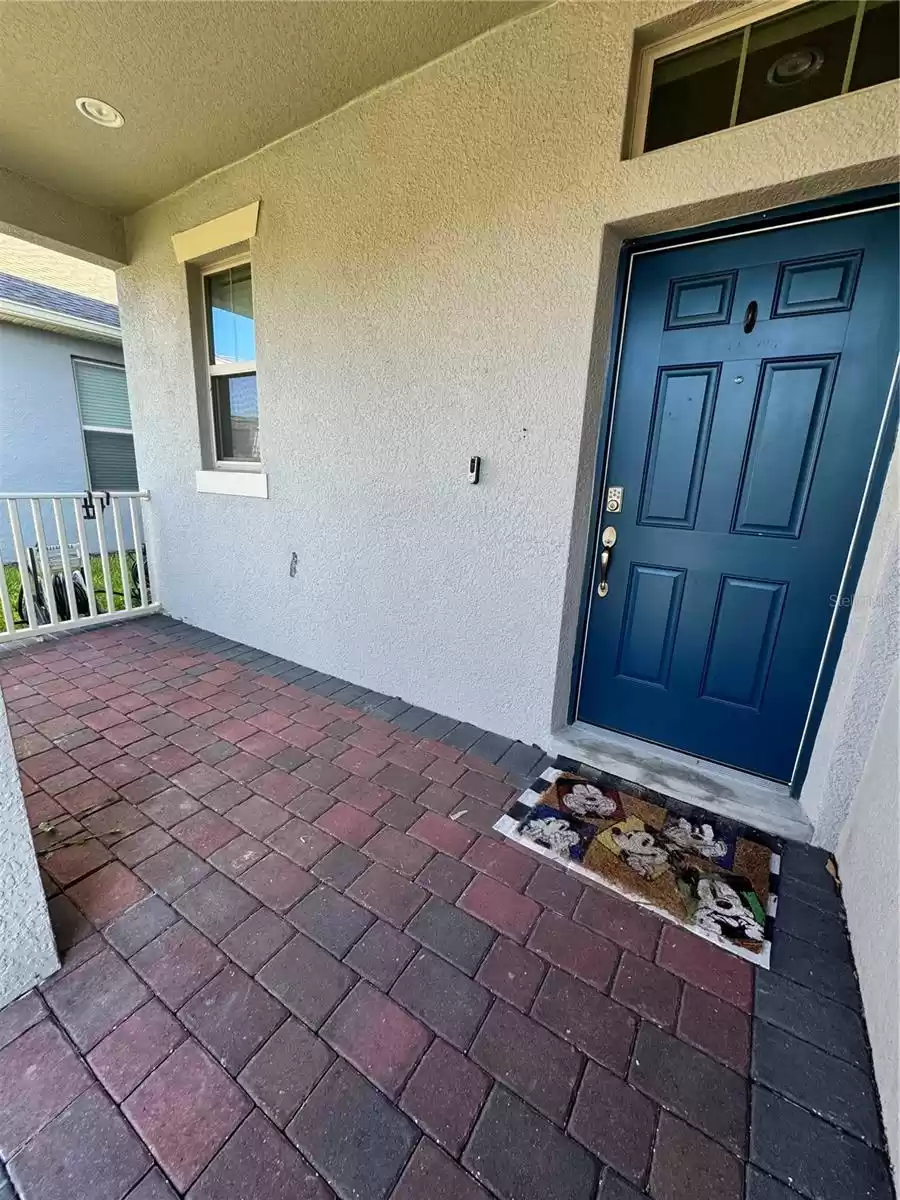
point(607, 541)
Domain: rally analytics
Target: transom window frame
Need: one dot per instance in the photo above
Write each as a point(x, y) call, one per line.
point(117, 430)
point(744, 18)
point(214, 369)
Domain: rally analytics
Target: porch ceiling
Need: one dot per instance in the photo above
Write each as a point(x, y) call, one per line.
point(200, 83)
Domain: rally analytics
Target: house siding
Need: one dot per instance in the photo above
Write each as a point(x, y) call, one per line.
point(41, 448)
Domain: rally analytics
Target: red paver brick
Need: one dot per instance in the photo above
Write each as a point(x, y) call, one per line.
point(172, 871)
point(706, 966)
point(239, 854)
point(215, 905)
point(398, 851)
point(512, 972)
point(270, 721)
point(232, 1016)
point(257, 939)
point(500, 906)
point(138, 846)
point(177, 963)
point(39, 1076)
point(501, 861)
point(120, 771)
point(205, 832)
point(301, 842)
point(85, 796)
point(692, 1085)
point(575, 949)
point(88, 1150)
point(301, 736)
point(126, 734)
point(557, 890)
point(362, 794)
point(687, 1165)
point(483, 787)
point(443, 770)
point(92, 999)
point(445, 877)
point(442, 834)
point(115, 821)
point(400, 813)
point(20, 1015)
point(282, 1074)
point(72, 862)
point(430, 1173)
point(324, 775)
point(223, 799)
point(261, 743)
point(105, 718)
point(413, 758)
point(258, 816)
point(307, 980)
point(359, 762)
point(376, 741)
point(277, 882)
point(647, 989)
point(199, 779)
point(185, 1111)
point(615, 1122)
point(620, 920)
point(140, 925)
point(597, 1025)
point(444, 998)
point(107, 893)
point(445, 1094)
point(143, 788)
point(402, 781)
point(234, 730)
point(348, 824)
point(279, 787)
point(311, 804)
point(388, 894)
point(127, 1055)
point(529, 1060)
point(259, 1161)
point(716, 1027)
point(243, 767)
point(170, 760)
point(377, 1036)
point(169, 807)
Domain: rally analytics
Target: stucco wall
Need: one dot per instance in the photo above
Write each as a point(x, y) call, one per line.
point(41, 448)
point(869, 856)
point(27, 948)
point(426, 278)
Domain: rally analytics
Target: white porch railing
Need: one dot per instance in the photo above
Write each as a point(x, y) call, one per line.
point(56, 567)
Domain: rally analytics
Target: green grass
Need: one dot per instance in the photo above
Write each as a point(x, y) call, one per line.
point(115, 573)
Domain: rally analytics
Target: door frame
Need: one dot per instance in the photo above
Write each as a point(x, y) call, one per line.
point(809, 212)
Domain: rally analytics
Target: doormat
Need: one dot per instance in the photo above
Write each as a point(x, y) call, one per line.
point(715, 877)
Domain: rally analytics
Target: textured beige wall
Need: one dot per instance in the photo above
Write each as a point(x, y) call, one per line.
point(426, 278)
point(51, 219)
point(869, 856)
point(27, 948)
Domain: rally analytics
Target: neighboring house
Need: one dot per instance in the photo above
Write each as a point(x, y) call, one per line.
point(65, 423)
point(641, 262)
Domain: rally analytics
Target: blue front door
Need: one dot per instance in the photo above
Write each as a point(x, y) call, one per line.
point(752, 384)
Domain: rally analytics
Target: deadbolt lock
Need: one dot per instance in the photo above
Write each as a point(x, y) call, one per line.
point(614, 496)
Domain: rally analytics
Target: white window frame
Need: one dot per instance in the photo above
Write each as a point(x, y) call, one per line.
point(217, 369)
point(112, 366)
point(743, 18)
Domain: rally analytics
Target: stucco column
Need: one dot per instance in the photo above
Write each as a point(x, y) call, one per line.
point(27, 948)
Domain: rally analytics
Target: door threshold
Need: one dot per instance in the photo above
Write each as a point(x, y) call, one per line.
point(760, 803)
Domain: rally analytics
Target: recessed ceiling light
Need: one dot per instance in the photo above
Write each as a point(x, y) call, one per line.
point(99, 112)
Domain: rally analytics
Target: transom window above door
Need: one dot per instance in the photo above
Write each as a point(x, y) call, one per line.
point(764, 60)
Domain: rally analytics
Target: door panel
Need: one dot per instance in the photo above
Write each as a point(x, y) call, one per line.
point(743, 458)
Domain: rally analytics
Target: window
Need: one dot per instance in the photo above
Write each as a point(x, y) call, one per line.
point(786, 56)
point(231, 342)
point(106, 426)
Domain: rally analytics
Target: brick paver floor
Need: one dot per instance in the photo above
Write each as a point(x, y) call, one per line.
point(297, 963)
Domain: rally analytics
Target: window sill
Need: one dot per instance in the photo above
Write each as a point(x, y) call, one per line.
point(234, 483)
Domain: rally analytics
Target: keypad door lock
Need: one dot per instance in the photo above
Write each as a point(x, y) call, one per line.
point(614, 497)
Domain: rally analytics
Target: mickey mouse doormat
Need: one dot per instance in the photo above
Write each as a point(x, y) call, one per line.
point(711, 875)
